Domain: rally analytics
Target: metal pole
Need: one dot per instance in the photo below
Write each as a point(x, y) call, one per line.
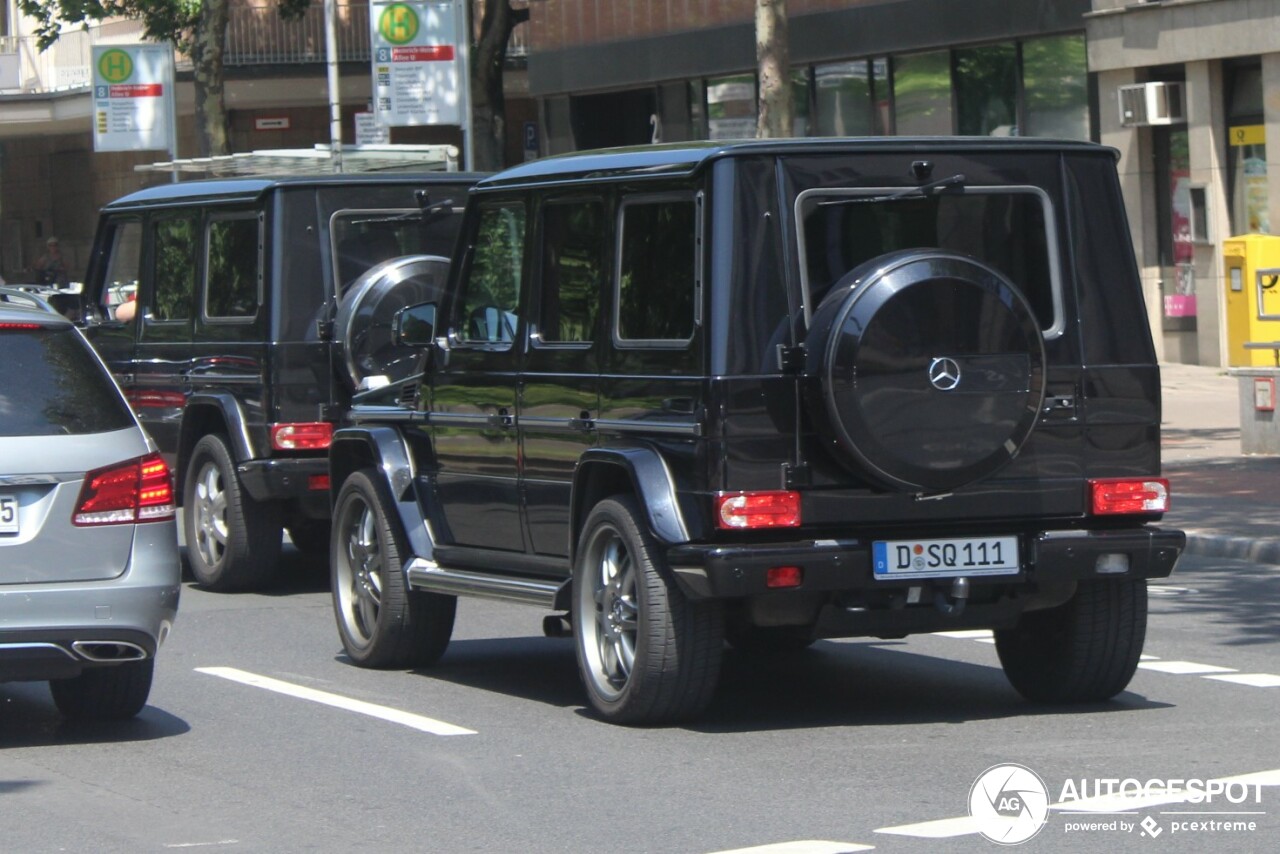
point(464, 45)
point(331, 62)
point(173, 114)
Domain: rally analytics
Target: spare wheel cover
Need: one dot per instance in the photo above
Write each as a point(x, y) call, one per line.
point(926, 370)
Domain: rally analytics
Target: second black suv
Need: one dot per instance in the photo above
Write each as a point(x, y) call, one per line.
point(772, 392)
point(225, 310)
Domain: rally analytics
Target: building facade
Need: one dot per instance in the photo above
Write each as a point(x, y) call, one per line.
point(631, 73)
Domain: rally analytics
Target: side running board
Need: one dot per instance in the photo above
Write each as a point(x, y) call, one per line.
point(426, 575)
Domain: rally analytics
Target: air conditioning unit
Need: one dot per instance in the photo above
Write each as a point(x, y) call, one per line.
point(1157, 103)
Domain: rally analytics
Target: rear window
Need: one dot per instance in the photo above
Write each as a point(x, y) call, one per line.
point(1008, 228)
point(51, 385)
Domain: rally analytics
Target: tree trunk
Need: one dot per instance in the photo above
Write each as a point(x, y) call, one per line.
point(773, 55)
point(488, 104)
point(206, 59)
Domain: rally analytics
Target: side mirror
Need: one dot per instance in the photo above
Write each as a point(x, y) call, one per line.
point(414, 325)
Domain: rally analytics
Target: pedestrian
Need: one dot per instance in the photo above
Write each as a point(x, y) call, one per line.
point(51, 267)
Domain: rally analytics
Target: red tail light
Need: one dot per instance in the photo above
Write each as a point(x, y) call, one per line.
point(749, 510)
point(23, 326)
point(311, 436)
point(137, 491)
point(1118, 496)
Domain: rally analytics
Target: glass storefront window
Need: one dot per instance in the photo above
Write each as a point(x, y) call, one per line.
point(987, 90)
point(844, 96)
point(1247, 139)
point(1055, 87)
point(800, 102)
point(922, 94)
point(731, 107)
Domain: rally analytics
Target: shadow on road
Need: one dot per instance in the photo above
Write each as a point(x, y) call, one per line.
point(28, 718)
point(831, 684)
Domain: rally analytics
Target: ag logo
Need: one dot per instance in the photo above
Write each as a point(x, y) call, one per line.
point(115, 66)
point(398, 24)
point(1009, 803)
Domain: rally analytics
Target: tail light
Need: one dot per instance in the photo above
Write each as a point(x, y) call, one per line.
point(751, 510)
point(1118, 496)
point(136, 491)
point(309, 436)
point(19, 326)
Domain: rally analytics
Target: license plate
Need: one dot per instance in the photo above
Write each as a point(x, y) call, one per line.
point(8, 514)
point(893, 559)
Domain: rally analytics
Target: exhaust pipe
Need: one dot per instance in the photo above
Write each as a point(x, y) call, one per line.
point(104, 652)
point(952, 603)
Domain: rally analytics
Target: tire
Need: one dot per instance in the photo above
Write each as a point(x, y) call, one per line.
point(646, 654)
point(111, 693)
point(310, 536)
point(1084, 651)
point(382, 623)
point(233, 541)
point(924, 370)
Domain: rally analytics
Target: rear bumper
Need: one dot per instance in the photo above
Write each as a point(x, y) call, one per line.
point(50, 631)
point(273, 480)
point(833, 566)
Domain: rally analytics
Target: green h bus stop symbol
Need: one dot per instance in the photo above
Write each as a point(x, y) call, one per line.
point(398, 24)
point(115, 66)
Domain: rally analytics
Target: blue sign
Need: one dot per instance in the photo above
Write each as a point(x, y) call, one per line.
point(530, 136)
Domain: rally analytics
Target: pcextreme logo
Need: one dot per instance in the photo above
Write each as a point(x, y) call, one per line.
point(1010, 803)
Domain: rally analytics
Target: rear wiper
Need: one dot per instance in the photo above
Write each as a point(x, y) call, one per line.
point(924, 191)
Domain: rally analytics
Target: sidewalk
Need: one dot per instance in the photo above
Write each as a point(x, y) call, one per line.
point(1228, 503)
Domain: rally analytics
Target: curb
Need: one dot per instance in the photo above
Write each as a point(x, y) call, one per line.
point(1203, 544)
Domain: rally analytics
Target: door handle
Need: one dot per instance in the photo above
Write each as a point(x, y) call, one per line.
point(502, 418)
point(583, 422)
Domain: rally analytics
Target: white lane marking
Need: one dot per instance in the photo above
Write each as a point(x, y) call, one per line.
point(968, 634)
point(1187, 668)
point(1254, 680)
point(804, 846)
point(337, 701)
point(1112, 804)
point(201, 844)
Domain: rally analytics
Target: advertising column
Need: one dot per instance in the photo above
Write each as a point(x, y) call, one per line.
point(133, 98)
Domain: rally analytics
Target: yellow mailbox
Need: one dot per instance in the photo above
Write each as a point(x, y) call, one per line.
point(1252, 274)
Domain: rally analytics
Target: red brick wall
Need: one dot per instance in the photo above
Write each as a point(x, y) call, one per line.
point(555, 24)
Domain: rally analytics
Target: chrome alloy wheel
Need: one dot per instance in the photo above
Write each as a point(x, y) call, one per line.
point(359, 571)
point(609, 609)
point(210, 512)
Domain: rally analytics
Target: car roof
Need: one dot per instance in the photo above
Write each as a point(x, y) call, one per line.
point(17, 306)
point(226, 189)
point(684, 159)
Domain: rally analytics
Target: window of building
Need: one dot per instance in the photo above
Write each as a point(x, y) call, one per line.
point(657, 271)
point(922, 94)
point(233, 271)
point(986, 81)
point(731, 107)
point(1055, 87)
point(1247, 141)
point(573, 271)
point(800, 102)
point(845, 99)
point(490, 294)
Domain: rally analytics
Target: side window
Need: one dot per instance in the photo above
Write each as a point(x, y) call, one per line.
point(490, 293)
point(120, 284)
point(175, 267)
point(233, 269)
point(657, 271)
point(573, 270)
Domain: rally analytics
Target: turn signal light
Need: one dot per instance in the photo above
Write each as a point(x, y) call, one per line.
point(311, 436)
point(1117, 496)
point(751, 510)
point(137, 491)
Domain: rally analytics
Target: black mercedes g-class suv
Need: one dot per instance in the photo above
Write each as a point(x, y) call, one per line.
point(255, 308)
point(770, 392)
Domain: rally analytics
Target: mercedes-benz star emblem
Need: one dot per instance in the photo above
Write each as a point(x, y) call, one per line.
point(944, 373)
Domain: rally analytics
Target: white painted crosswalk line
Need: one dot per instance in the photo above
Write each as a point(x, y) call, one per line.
point(1253, 680)
point(1184, 668)
point(337, 701)
point(804, 846)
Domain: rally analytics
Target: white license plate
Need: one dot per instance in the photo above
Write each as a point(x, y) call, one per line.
point(8, 514)
point(944, 558)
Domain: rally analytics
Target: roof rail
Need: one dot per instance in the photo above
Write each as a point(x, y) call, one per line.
point(313, 161)
point(21, 296)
